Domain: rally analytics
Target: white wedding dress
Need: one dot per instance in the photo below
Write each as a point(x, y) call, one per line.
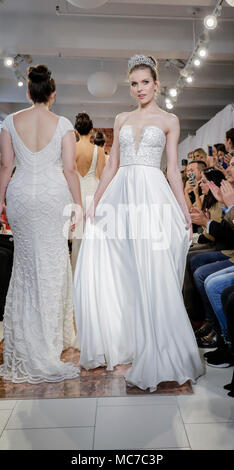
point(88, 186)
point(38, 318)
point(127, 287)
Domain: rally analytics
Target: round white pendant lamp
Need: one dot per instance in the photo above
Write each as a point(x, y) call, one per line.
point(102, 85)
point(87, 3)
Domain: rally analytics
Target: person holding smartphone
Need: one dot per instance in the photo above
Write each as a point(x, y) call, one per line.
point(193, 191)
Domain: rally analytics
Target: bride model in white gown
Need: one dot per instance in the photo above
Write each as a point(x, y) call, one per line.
point(38, 318)
point(127, 288)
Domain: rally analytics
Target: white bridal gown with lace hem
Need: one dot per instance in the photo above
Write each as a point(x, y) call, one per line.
point(127, 287)
point(38, 318)
point(88, 186)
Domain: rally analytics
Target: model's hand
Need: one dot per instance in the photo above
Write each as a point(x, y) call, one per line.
point(227, 192)
point(189, 225)
point(78, 217)
point(91, 212)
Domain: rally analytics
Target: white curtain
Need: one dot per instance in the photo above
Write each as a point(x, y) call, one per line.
point(211, 133)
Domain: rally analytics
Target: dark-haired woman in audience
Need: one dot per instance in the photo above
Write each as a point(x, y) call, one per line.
point(38, 316)
point(90, 162)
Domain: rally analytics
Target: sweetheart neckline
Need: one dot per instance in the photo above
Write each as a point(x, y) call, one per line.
point(144, 127)
point(141, 135)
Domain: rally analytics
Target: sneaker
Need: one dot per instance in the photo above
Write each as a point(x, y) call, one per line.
point(205, 329)
point(220, 358)
point(209, 341)
point(222, 346)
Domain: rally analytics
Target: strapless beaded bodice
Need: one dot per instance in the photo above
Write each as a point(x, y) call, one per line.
point(150, 148)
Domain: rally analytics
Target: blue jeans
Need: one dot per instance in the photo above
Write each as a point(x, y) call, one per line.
point(202, 266)
point(215, 284)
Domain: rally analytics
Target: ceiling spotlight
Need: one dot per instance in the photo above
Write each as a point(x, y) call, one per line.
point(210, 22)
point(8, 61)
point(20, 83)
point(197, 62)
point(202, 52)
point(173, 92)
point(167, 100)
point(189, 79)
point(169, 105)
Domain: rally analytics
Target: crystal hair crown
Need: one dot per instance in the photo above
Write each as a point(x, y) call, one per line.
point(140, 60)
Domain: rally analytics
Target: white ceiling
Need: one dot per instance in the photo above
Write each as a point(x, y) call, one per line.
point(74, 46)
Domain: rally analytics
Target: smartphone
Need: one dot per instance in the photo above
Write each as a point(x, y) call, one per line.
point(192, 178)
point(223, 163)
point(210, 153)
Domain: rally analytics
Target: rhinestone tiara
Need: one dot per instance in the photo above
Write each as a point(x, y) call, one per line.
point(140, 60)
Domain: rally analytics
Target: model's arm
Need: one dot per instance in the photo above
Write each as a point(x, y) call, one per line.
point(70, 172)
point(101, 162)
point(173, 173)
point(109, 171)
point(7, 164)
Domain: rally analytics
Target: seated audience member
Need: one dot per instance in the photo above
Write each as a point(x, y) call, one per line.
point(218, 148)
point(204, 264)
point(192, 190)
point(209, 207)
point(190, 157)
point(200, 154)
point(6, 261)
point(229, 142)
point(219, 153)
point(183, 172)
point(207, 204)
point(228, 307)
point(215, 284)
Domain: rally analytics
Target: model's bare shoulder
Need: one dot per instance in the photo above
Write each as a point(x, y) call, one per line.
point(121, 118)
point(173, 121)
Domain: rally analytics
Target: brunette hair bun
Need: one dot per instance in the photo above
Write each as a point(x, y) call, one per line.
point(40, 83)
point(39, 73)
point(99, 139)
point(83, 123)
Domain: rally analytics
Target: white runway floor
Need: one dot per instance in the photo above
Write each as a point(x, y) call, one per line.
point(204, 420)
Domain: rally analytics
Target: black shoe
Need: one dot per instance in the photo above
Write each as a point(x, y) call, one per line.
point(209, 341)
point(220, 358)
point(222, 346)
point(204, 330)
point(230, 387)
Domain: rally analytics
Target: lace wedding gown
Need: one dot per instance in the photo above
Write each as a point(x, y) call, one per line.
point(127, 287)
point(38, 318)
point(88, 186)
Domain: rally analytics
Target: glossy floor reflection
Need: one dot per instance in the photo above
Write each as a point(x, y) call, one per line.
point(94, 383)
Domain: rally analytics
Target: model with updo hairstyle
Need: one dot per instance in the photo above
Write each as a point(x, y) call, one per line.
point(90, 162)
point(99, 139)
point(83, 123)
point(136, 240)
point(40, 83)
point(38, 316)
